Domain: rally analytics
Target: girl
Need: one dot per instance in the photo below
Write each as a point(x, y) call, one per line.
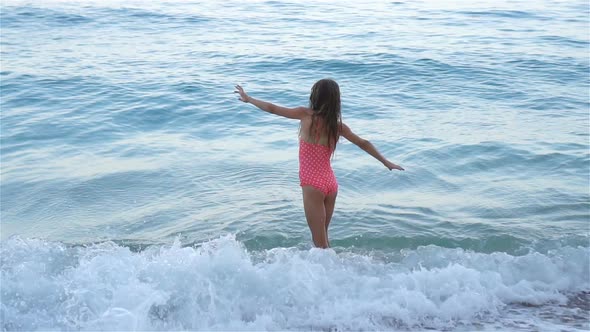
point(320, 128)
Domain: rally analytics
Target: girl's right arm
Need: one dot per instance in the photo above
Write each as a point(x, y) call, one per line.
point(368, 147)
point(291, 113)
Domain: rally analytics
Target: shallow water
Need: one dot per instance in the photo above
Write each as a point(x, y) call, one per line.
point(120, 135)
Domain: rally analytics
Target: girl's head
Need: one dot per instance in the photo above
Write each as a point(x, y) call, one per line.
point(324, 100)
point(325, 93)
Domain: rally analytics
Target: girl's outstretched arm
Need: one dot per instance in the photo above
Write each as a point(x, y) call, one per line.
point(368, 147)
point(291, 113)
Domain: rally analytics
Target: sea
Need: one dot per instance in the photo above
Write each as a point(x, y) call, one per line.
point(139, 194)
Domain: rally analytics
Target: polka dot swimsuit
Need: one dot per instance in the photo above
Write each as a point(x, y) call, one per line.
point(314, 167)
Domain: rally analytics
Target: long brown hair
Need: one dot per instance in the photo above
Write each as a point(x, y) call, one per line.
point(324, 100)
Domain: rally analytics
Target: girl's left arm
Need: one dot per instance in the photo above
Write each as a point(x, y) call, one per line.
point(291, 113)
point(368, 147)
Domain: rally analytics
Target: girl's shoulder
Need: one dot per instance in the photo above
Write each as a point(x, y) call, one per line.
point(307, 110)
point(308, 113)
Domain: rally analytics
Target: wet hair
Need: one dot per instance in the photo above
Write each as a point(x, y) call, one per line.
point(324, 100)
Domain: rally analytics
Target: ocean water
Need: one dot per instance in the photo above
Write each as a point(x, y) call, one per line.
point(137, 193)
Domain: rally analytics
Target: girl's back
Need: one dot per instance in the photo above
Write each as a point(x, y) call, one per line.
point(317, 135)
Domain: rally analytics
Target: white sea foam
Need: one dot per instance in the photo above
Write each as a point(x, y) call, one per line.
point(221, 286)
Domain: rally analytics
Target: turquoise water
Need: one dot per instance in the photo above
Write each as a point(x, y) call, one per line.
point(137, 193)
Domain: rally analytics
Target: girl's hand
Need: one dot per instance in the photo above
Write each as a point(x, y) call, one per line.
point(243, 95)
point(391, 166)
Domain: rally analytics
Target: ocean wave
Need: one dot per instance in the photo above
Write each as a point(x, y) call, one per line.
point(28, 15)
point(509, 14)
point(16, 16)
point(219, 285)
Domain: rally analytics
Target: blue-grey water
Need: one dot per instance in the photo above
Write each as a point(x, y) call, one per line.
point(137, 193)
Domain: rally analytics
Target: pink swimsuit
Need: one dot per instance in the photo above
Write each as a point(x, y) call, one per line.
point(314, 167)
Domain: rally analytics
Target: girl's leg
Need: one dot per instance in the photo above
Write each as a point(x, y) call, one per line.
point(329, 203)
point(315, 213)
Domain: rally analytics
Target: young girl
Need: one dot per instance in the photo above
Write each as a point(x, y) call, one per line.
point(320, 128)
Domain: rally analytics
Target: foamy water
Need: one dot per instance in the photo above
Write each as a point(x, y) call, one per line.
point(219, 285)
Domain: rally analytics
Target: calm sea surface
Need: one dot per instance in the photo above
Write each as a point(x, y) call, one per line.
point(137, 193)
